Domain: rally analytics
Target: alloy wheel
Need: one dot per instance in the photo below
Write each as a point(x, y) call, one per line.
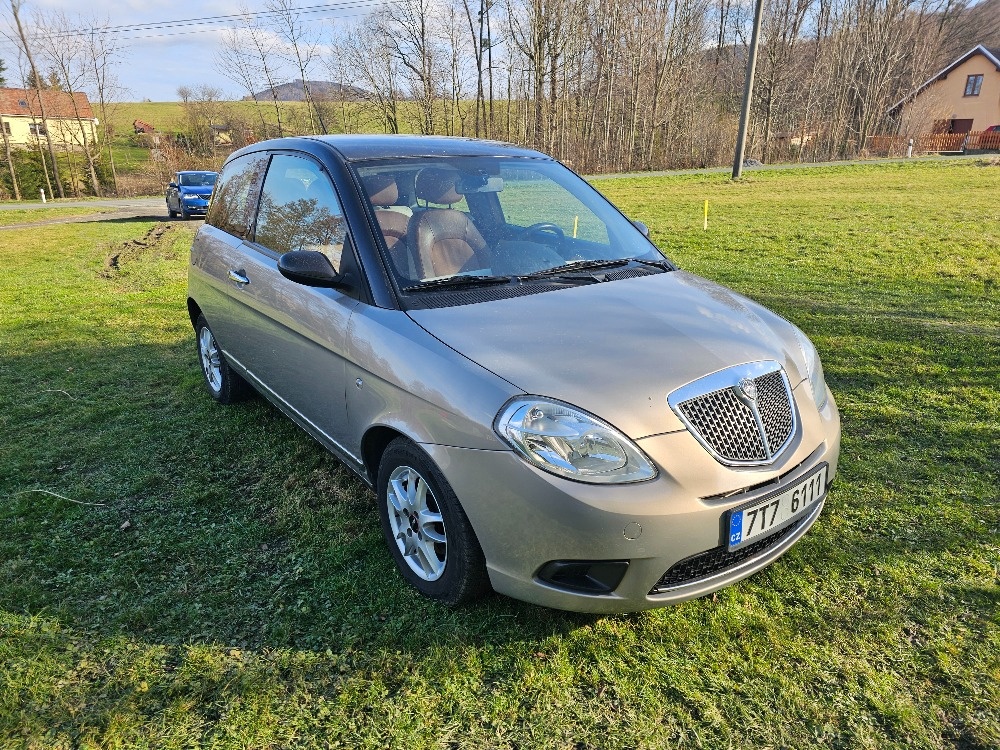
point(416, 523)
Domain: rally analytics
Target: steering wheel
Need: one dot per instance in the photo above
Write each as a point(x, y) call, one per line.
point(542, 227)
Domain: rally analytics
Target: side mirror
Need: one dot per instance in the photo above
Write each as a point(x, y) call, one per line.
point(641, 227)
point(309, 268)
point(172, 184)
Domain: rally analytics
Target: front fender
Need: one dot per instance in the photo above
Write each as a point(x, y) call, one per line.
point(399, 376)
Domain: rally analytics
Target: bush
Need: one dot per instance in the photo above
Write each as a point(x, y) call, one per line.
point(30, 175)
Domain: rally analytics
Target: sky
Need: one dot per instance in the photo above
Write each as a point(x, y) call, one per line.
point(159, 60)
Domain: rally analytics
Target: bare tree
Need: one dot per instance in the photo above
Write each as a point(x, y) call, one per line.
point(104, 51)
point(367, 52)
point(66, 52)
point(408, 27)
point(15, 9)
point(235, 60)
point(302, 41)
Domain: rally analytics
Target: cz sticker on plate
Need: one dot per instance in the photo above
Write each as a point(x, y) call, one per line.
point(774, 512)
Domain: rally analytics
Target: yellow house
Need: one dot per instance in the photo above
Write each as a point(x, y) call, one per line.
point(69, 123)
point(962, 98)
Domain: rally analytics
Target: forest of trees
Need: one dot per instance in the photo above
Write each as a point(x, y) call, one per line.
point(618, 85)
point(605, 85)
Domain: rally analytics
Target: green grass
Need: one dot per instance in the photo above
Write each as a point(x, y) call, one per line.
point(169, 117)
point(29, 215)
point(212, 578)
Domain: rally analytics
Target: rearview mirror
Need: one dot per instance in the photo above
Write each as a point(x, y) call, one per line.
point(309, 268)
point(172, 184)
point(641, 227)
point(480, 183)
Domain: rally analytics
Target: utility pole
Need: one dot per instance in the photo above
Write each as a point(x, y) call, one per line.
point(15, 7)
point(741, 138)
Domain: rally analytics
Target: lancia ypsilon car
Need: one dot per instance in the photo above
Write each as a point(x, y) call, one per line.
point(543, 402)
point(188, 193)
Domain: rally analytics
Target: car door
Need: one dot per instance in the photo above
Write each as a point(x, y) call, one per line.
point(292, 338)
point(219, 253)
point(172, 201)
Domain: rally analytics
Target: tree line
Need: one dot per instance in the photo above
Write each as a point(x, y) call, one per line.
point(615, 85)
point(605, 85)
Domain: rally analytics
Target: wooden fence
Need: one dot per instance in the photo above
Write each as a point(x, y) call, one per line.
point(940, 143)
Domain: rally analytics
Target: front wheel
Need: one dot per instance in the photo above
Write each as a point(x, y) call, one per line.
point(428, 533)
point(224, 385)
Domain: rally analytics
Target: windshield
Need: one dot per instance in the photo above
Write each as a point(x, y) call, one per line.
point(197, 179)
point(481, 216)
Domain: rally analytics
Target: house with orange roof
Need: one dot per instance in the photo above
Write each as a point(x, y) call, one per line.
point(69, 120)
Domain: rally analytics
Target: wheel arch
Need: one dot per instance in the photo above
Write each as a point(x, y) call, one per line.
point(193, 311)
point(376, 439)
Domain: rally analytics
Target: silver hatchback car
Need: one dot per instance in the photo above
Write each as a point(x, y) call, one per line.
point(543, 403)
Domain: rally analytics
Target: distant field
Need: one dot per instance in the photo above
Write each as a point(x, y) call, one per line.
point(177, 574)
point(169, 117)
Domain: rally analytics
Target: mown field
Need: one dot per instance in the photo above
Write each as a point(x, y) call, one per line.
point(176, 574)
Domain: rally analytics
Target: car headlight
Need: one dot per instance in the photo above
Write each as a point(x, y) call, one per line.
point(569, 442)
point(814, 369)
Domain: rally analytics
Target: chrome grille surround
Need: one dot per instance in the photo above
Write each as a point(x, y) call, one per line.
point(735, 428)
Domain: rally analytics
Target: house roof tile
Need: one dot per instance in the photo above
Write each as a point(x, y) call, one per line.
point(57, 103)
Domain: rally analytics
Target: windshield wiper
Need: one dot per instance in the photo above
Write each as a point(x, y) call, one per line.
point(664, 264)
point(461, 280)
point(578, 265)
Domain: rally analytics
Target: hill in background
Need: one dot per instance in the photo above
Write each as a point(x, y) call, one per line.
point(293, 91)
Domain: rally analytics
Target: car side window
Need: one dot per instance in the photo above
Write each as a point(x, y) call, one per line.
point(299, 209)
point(234, 194)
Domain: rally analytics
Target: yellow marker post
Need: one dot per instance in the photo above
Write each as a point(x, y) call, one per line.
point(706, 215)
point(576, 224)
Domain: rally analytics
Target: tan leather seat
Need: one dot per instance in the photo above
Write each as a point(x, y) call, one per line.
point(445, 240)
point(383, 191)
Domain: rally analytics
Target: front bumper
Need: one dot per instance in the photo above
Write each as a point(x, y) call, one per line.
point(195, 207)
point(525, 518)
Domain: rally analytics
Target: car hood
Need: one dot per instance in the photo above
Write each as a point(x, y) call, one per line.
point(203, 192)
point(617, 348)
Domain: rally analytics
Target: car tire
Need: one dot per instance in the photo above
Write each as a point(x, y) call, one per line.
point(170, 212)
point(184, 214)
point(428, 534)
point(224, 385)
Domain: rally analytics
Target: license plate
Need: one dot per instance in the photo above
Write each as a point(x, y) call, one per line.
point(767, 515)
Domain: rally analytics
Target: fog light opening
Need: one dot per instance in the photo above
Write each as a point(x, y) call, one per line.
point(584, 576)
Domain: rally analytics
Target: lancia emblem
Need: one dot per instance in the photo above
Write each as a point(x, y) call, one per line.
point(748, 388)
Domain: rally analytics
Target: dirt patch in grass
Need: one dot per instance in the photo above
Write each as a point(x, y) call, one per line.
point(130, 250)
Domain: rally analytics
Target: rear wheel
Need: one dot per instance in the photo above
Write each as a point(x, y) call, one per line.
point(224, 385)
point(427, 531)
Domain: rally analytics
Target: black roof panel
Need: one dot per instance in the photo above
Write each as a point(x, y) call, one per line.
point(356, 147)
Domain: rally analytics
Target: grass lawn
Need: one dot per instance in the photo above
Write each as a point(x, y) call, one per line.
point(177, 574)
point(10, 216)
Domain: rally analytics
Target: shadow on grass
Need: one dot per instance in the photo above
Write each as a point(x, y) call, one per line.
point(185, 521)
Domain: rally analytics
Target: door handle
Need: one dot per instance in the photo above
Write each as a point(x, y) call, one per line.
point(238, 276)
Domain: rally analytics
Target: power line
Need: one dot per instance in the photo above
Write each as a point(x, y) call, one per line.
point(217, 21)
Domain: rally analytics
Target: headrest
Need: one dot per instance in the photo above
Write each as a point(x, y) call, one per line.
point(382, 189)
point(438, 185)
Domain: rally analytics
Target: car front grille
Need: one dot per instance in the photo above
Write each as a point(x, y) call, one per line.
point(749, 420)
point(718, 560)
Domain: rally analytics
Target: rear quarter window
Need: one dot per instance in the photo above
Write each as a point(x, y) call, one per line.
point(235, 192)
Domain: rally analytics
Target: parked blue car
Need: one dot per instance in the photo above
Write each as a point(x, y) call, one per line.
point(188, 193)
